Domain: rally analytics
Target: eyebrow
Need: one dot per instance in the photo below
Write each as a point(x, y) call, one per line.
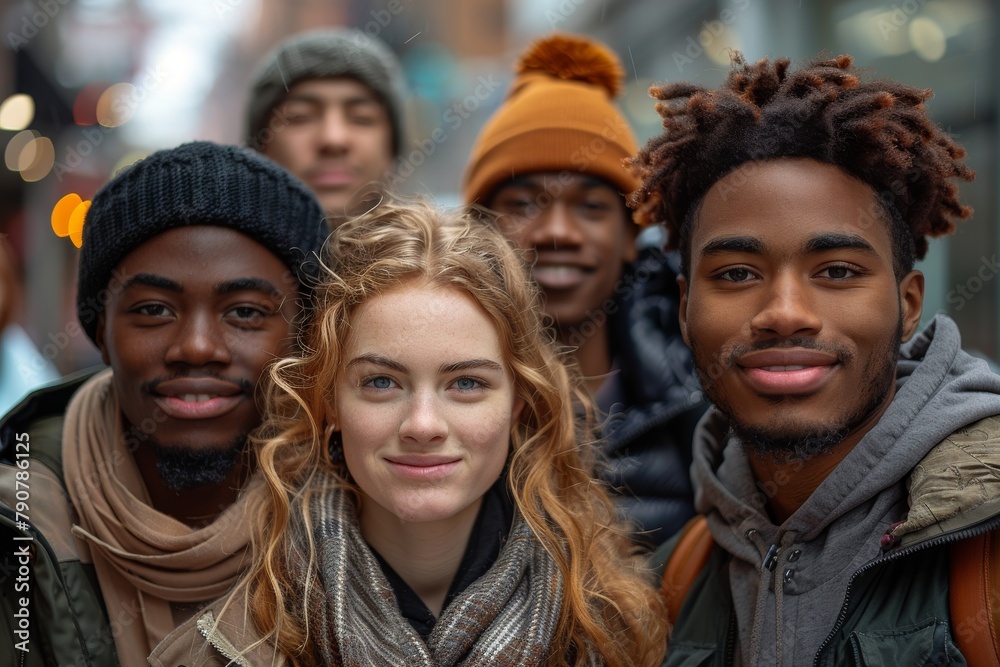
point(747, 244)
point(834, 241)
point(226, 287)
point(153, 280)
point(248, 285)
point(484, 364)
point(819, 243)
point(377, 361)
point(487, 364)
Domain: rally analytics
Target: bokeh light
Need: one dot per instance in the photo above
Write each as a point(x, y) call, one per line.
point(116, 104)
point(43, 157)
point(16, 146)
point(62, 211)
point(927, 38)
point(17, 112)
point(76, 220)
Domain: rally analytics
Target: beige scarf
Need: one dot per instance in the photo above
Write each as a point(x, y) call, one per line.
point(145, 560)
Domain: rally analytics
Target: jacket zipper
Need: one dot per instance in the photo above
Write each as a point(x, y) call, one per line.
point(955, 536)
point(729, 656)
point(216, 643)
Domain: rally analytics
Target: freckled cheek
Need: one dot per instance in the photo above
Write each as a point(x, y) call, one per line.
point(364, 430)
point(485, 433)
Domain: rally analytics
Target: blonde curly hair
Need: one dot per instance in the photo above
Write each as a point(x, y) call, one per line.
point(611, 605)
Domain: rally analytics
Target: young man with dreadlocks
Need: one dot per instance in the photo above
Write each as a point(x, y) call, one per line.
point(849, 460)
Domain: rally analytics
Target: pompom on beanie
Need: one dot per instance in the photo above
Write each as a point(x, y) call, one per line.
point(559, 114)
point(198, 183)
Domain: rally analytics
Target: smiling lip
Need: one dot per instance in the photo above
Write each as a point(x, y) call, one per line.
point(559, 276)
point(422, 467)
point(327, 178)
point(196, 398)
point(787, 372)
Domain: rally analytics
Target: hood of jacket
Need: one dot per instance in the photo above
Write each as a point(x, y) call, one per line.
point(940, 389)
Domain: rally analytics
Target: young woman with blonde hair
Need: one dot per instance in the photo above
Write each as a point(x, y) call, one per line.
point(428, 497)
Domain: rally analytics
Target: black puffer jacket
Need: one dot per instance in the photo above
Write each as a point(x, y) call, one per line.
point(654, 401)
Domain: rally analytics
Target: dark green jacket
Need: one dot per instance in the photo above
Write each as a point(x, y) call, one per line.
point(51, 604)
point(895, 610)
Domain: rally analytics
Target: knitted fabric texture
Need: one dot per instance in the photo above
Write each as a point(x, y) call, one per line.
point(326, 54)
point(199, 183)
point(559, 115)
point(507, 617)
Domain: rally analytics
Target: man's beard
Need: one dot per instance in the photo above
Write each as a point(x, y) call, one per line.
point(793, 441)
point(184, 468)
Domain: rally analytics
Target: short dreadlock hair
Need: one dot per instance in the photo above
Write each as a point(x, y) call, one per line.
point(878, 131)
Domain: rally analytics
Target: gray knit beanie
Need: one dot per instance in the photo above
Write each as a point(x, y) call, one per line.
point(199, 183)
point(336, 52)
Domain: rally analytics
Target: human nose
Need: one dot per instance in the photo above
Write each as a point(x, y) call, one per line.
point(199, 341)
point(334, 132)
point(554, 227)
point(788, 309)
point(424, 422)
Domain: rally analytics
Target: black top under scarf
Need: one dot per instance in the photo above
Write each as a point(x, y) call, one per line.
point(496, 514)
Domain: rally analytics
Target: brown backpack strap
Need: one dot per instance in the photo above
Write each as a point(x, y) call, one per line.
point(687, 559)
point(974, 585)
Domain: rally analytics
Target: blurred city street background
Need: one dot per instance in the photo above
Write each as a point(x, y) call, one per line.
point(90, 85)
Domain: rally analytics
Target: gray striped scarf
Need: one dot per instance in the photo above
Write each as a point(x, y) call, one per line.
point(506, 617)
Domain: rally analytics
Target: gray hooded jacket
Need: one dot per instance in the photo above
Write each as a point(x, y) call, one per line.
point(840, 528)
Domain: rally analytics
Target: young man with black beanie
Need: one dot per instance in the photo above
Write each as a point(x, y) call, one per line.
point(194, 273)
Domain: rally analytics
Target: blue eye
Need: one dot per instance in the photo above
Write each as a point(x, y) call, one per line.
point(380, 382)
point(467, 384)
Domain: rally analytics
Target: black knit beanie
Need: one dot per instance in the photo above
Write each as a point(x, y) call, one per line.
point(199, 183)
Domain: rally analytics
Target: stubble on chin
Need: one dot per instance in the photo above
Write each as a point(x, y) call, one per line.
point(185, 468)
point(789, 440)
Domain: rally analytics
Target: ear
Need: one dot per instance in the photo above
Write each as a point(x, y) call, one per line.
point(911, 302)
point(682, 308)
point(515, 412)
point(100, 341)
